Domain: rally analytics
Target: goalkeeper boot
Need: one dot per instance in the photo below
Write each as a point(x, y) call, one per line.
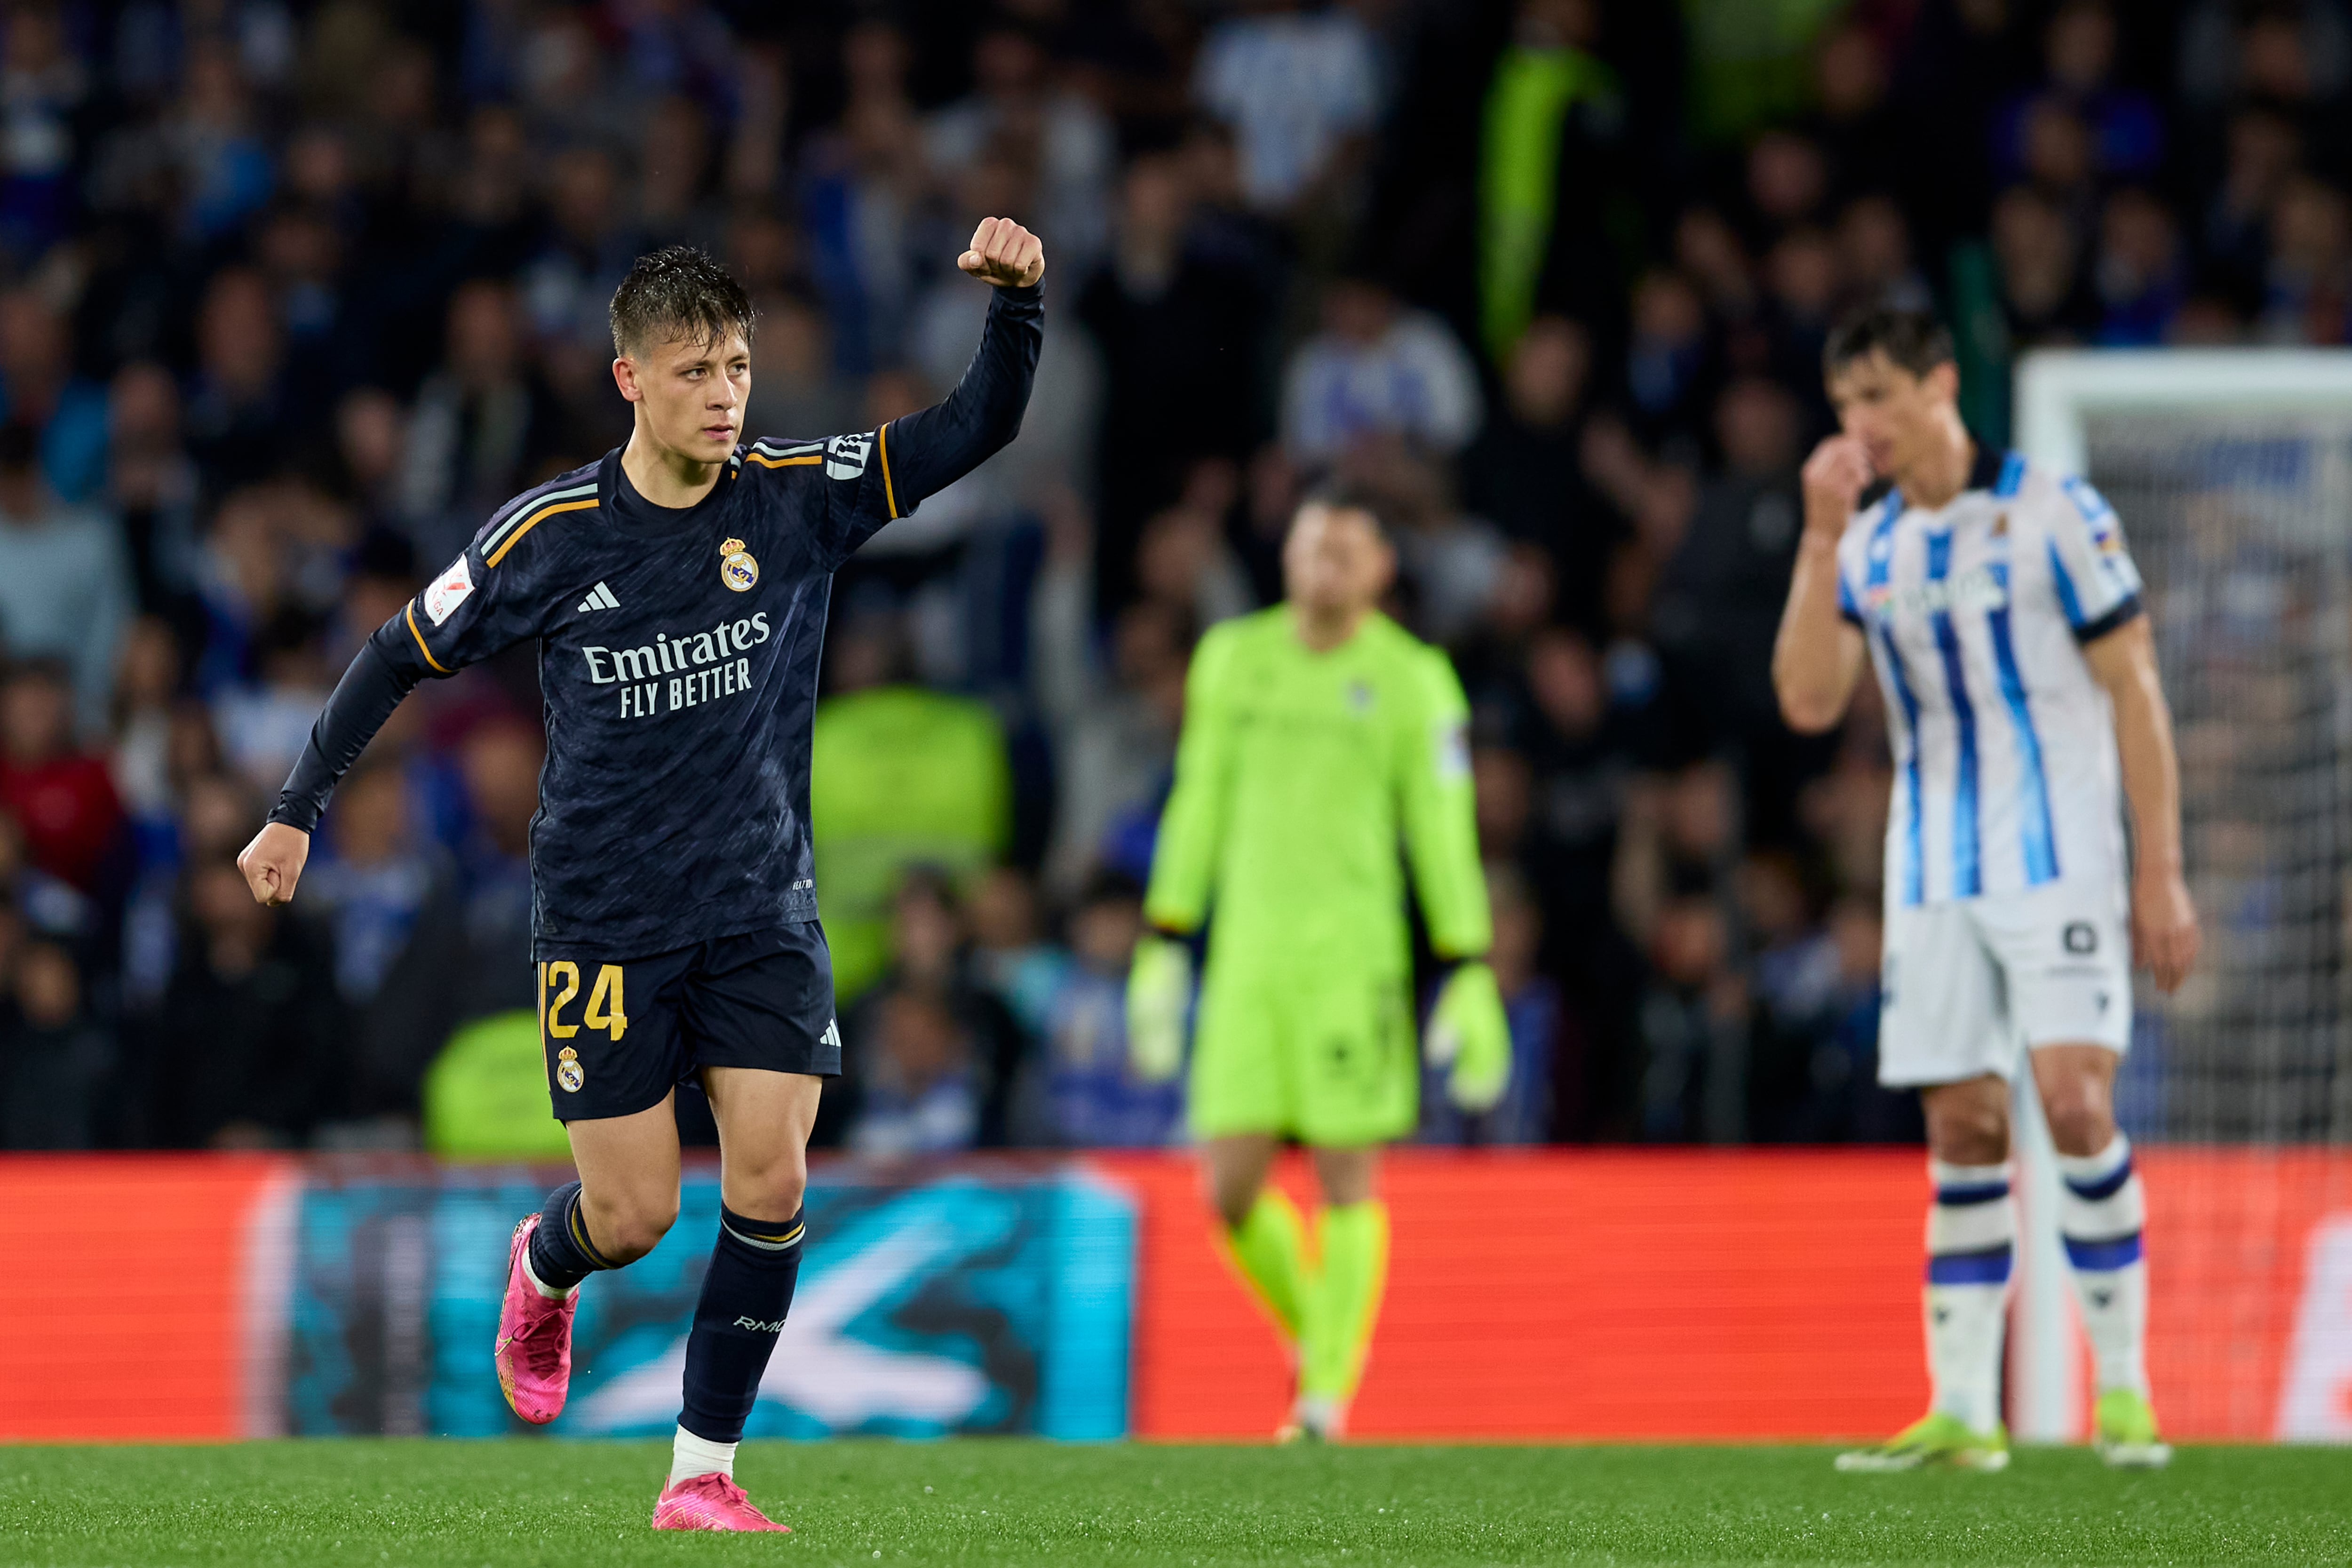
point(2124, 1432)
point(534, 1348)
point(1315, 1418)
point(1936, 1440)
point(710, 1501)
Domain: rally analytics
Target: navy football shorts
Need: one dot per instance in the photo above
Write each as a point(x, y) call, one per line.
point(617, 1036)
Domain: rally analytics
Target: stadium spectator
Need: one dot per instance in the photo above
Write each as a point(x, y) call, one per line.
point(59, 796)
point(38, 388)
point(1670, 360)
point(242, 1049)
point(1301, 89)
point(263, 723)
point(65, 585)
point(1174, 316)
point(1716, 606)
point(141, 760)
point(1064, 137)
point(395, 923)
point(499, 761)
point(1009, 954)
point(154, 487)
point(480, 429)
point(57, 1065)
point(792, 364)
point(1117, 746)
point(1091, 1093)
point(1555, 114)
point(2124, 132)
point(1184, 562)
point(239, 412)
point(1377, 368)
point(938, 1054)
point(2140, 274)
point(46, 86)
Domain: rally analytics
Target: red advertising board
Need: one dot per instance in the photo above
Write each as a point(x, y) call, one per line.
point(1734, 1294)
point(1542, 1294)
point(127, 1295)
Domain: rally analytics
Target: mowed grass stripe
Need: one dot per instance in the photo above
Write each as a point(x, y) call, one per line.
point(552, 1504)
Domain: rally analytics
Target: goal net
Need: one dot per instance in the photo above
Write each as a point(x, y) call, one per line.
point(2232, 471)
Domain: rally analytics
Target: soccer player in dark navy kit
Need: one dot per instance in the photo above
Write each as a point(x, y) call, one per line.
point(677, 592)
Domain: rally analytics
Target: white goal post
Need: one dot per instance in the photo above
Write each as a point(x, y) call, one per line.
point(2239, 462)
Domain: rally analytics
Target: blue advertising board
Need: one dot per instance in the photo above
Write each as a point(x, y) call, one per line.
point(978, 1299)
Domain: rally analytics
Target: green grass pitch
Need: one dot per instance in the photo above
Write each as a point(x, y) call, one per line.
point(540, 1504)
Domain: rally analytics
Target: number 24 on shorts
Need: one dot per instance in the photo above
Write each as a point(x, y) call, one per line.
point(606, 1010)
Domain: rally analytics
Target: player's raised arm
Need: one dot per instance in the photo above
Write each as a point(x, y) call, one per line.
point(929, 450)
point(922, 453)
point(1817, 657)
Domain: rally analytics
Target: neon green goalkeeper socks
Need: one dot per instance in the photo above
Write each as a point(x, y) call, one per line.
point(1270, 1248)
point(1344, 1300)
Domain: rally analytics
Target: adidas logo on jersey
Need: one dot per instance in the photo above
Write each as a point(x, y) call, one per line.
point(599, 597)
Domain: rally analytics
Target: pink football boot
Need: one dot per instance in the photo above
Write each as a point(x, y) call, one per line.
point(709, 1502)
point(534, 1349)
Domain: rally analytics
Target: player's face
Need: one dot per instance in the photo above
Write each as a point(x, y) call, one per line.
point(1893, 413)
point(690, 395)
point(1334, 560)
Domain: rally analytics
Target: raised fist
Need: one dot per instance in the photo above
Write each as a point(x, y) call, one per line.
point(1004, 254)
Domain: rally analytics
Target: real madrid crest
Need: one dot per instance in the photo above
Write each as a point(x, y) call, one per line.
point(737, 568)
point(567, 1070)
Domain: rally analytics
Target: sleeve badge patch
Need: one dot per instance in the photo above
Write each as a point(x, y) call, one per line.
point(845, 456)
point(448, 591)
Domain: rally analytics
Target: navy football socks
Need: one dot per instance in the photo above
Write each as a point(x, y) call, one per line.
point(561, 1254)
point(746, 1292)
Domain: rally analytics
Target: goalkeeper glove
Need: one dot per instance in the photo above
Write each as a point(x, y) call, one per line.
point(1159, 985)
point(1468, 1033)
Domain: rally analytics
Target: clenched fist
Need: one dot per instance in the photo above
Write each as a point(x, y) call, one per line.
point(1004, 254)
point(273, 862)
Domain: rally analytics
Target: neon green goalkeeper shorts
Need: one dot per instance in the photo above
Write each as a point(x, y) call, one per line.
point(1330, 1060)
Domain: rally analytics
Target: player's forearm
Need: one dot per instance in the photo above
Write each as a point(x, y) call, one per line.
point(929, 450)
point(2151, 770)
point(370, 690)
point(1813, 669)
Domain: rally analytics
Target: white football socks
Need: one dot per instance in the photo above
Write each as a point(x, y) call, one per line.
point(541, 1286)
point(1971, 1237)
point(2101, 1209)
point(691, 1455)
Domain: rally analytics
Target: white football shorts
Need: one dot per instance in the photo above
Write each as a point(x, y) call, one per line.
point(1965, 982)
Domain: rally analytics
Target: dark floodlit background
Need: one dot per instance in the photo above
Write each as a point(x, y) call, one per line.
point(295, 294)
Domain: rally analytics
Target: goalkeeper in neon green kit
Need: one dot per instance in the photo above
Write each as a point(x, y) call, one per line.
point(1324, 750)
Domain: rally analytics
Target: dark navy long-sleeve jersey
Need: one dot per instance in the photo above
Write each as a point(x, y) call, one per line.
point(679, 657)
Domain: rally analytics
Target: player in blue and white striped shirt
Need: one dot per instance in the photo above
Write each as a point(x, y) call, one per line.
point(2001, 610)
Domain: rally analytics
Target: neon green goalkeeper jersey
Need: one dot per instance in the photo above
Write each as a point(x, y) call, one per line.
point(1306, 782)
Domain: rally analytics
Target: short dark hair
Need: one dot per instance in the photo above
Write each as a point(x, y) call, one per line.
point(1346, 495)
point(1915, 340)
point(678, 294)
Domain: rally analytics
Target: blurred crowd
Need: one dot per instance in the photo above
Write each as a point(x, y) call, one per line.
point(292, 294)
